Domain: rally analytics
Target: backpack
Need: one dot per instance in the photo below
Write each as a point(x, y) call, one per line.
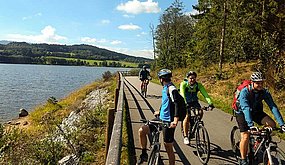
point(244, 84)
point(181, 104)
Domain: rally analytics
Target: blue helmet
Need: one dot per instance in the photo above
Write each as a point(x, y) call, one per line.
point(164, 73)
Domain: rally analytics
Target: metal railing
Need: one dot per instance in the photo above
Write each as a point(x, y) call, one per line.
point(115, 145)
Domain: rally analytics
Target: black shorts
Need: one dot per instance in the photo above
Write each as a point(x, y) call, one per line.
point(168, 133)
point(256, 117)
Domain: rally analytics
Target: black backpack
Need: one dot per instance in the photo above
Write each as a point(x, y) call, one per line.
point(181, 104)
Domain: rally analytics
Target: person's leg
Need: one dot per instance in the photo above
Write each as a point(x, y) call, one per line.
point(244, 144)
point(242, 124)
point(143, 131)
point(168, 137)
point(170, 153)
point(186, 128)
point(141, 85)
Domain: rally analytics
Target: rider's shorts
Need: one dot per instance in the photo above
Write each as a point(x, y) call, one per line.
point(256, 117)
point(168, 134)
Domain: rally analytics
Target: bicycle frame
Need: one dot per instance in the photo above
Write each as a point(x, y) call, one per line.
point(155, 145)
point(197, 121)
point(265, 148)
point(266, 143)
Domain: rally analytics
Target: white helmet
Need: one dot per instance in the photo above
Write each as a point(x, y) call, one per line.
point(256, 76)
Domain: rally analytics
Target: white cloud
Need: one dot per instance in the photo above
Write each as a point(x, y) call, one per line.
point(137, 7)
point(92, 40)
point(129, 27)
point(31, 17)
point(95, 42)
point(116, 42)
point(193, 12)
point(47, 36)
point(141, 34)
point(128, 16)
point(105, 21)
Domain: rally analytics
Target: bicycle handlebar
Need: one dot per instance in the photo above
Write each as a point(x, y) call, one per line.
point(151, 121)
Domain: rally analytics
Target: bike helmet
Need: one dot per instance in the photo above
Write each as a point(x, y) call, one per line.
point(256, 76)
point(191, 73)
point(164, 73)
point(144, 67)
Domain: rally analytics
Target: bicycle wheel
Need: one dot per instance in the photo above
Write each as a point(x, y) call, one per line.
point(202, 144)
point(277, 156)
point(154, 158)
point(235, 140)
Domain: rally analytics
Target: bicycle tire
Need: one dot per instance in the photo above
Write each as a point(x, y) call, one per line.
point(154, 156)
point(202, 144)
point(235, 140)
point(277, 155)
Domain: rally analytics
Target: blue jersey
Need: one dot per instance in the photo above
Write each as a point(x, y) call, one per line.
point(252, 102)
point(167, 106)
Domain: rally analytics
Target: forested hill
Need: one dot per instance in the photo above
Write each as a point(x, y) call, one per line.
point(22, 52)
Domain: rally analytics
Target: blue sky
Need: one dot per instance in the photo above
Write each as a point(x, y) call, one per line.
point(118, 25)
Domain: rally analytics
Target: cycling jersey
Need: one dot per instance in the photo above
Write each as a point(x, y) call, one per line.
point(189, 93)
point(251, 102)
point(167, 109)
point(144, 74)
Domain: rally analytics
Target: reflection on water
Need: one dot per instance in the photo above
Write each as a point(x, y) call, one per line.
point(25, 86)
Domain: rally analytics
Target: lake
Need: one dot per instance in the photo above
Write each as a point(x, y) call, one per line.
point(26, 86)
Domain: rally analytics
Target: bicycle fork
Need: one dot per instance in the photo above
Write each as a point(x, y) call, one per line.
point(268, 154)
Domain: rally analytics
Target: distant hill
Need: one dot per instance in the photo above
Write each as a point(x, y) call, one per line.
point(4, 42)
point(33, 53)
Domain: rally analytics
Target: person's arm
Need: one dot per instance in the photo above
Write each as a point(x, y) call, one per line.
point(273, 107)
point(245, 106)
point(182, 89)
point(173, 93)
point(140, 74)
point(204, 93)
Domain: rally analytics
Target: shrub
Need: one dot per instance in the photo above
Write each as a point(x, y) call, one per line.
point(107, 76)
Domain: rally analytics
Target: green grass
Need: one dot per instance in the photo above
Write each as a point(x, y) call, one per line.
point(91, 62)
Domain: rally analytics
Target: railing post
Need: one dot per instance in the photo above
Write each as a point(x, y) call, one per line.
point(110, 123)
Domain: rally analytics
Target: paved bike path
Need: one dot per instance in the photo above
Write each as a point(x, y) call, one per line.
point(217, 123)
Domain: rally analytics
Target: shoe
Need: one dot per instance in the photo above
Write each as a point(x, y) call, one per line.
point(243, 162)
point(186, 140)
point(143, 158)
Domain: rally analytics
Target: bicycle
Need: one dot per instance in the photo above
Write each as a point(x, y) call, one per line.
point(261, 147)
point(198, 130)
point(155, 145)
point(144, 87)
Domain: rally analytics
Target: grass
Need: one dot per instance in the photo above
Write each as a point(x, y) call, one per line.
point(91, 62)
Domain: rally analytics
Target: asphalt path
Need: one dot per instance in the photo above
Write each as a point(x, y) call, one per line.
point(217, 123)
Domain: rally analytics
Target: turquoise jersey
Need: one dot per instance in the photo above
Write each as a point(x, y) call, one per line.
point(167, 107)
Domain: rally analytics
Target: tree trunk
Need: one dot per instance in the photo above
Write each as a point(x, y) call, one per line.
point(222, 41)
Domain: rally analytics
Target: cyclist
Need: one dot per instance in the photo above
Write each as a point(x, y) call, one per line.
point(144, 76)
point(168, 114)
point(250, 108)
point(189, 89)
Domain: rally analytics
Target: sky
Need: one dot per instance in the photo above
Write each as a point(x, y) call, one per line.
point(118, 25)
